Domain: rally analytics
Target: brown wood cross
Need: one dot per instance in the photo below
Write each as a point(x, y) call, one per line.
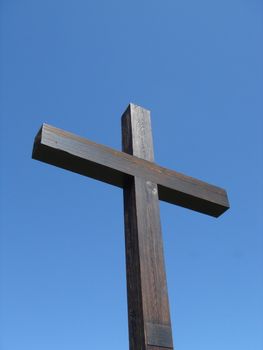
point(143, 183)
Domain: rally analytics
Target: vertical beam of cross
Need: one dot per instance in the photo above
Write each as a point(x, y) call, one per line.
point(148, 306)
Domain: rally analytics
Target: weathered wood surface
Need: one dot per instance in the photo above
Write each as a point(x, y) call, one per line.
point(74, 153)
point(144, 183)
point(148, 306)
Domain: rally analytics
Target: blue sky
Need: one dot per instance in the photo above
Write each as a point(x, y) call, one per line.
point(197, 65)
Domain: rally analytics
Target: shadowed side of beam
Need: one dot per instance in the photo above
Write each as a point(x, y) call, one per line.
point(43, 152)
point(74, 153)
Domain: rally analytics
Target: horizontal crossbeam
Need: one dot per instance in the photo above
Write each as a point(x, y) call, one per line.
point(77, 154)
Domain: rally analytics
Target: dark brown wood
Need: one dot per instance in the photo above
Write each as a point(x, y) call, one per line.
point(159, 335)
point(148, 306)
point(74, 153)
point(144, 183)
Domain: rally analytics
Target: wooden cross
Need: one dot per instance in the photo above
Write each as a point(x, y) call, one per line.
point(143, 183)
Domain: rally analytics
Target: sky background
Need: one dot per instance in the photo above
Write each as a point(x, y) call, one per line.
point(197, 65)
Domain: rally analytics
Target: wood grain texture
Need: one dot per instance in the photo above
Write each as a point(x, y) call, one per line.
point(74, 153)
point(148, 306)
point(144, 183)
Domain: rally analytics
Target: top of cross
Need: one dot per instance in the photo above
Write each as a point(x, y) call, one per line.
point(68, 151)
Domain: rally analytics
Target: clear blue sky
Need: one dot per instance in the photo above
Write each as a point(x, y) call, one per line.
point(197, 65)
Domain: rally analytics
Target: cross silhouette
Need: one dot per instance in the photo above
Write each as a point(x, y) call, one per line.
point(144, 183)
